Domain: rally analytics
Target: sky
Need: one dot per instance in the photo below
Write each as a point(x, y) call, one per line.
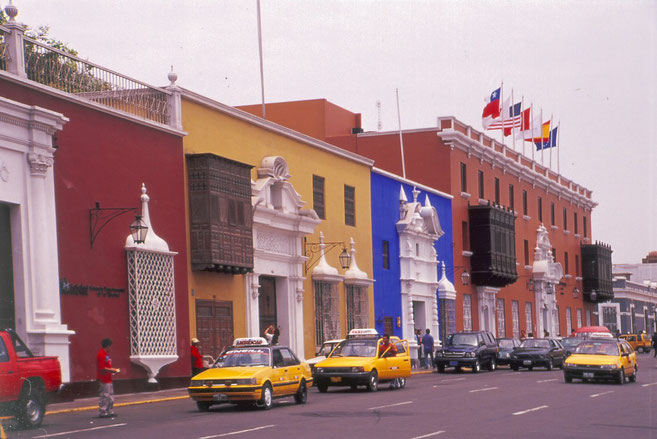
point(590, 65)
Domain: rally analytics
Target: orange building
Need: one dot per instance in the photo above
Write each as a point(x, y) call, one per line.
point(500, 197)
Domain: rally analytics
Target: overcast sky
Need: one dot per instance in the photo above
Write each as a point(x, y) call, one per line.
point(592, 65)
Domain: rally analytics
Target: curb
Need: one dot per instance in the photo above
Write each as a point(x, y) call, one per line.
point(120, 404)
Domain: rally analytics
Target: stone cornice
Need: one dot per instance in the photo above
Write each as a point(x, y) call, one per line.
point(476, 149)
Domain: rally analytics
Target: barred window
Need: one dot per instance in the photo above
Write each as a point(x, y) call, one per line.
point(467, 312)
point(497, 190)
point(318, 196)
point(349, 205)
point(552, 214)
point(540, 209)
point(501, 323)
point(524, 202)
point(515, 311)
point(512, 203)
point(528, 318)
point(327, 313)
point(385, 254)
point(579, 318)
point(565, 219)
point(481, 184)
point(357, 307)
point(569, 321)
point(588, 317)
point(464, 178)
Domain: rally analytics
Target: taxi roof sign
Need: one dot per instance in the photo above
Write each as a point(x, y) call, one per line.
point(363, 333)
point(250, 341)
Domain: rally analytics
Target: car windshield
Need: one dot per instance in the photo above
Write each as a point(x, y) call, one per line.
point(533, 343)
point(597, 348)
point(355, 348)
point(243, 358)
point(325, 349)
point(505, 343)
point(570, 342)
point(462, 340)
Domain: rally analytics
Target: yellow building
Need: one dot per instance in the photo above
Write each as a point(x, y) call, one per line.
point(255, 252)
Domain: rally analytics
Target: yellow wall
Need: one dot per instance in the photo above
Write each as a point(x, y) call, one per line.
point(211, 131)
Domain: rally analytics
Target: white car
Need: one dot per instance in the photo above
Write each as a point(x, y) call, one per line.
point(324, 351)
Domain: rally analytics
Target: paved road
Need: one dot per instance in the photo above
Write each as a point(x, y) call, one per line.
point(536, 404)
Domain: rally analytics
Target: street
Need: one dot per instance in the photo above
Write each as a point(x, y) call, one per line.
point(503, 403)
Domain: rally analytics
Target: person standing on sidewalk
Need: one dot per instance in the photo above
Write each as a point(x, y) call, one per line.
point(427, 346)
point(197, 358)
point(104, 373)
point(418, 339)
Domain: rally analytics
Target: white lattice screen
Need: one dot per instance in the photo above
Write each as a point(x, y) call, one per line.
point(152, 303)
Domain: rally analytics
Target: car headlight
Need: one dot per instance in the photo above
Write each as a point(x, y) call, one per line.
point(440, 354)
point(568, 365)
point(319, 369)
point(610, 366)
point(358, 369)
point(243, 381)
point(504, 355)
point(469, 354)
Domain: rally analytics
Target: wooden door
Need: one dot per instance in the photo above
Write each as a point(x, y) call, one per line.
point(267, 303)
point(214, 326)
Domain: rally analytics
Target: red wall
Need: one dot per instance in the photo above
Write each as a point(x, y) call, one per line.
point(106, 159)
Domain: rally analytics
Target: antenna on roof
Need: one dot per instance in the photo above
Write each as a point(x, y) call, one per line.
point(379, 124)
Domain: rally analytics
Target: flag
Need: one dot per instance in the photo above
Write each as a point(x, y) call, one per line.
point(525, 121)
point(544, 141)
point(534, 131)
point(511, 117)
point(492, 109)
point(551, 142)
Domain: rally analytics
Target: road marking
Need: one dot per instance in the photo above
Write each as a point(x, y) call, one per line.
point(435, 433)
point(391, 405)
point(238, 432)
point(484, 389)
point(547, 381)
point(649, 384)
point(452, 379)
point(600, 394)
point(79, 431)
point(121, 404)
point(531, 410)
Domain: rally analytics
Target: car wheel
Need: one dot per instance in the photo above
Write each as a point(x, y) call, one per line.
point(567, 379)
point(402, 382)
point(632, 378)
point(457, 369)
point(267, 399)
point(373, 381)
point(476, 367)
point(492, 365)
point(302, 394)
point(549, 364)
point(515, 367)
point(322, 387)
point(203, 406)
point(354, 387)
point(530, 368)
point(621, 377)
point(31, 406)
point(441, 368)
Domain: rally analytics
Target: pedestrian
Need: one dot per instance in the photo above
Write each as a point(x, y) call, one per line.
point(427, 347)
point(618, 333)
point(522, 335)
point(654, 343)
point(387, 349)
point(276, 336)
point(196, 357)
point(546, 334)
point(269, 333)
point(418, 340)
point(104, 373)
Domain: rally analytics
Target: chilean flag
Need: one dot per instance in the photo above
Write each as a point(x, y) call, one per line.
point(492, 109)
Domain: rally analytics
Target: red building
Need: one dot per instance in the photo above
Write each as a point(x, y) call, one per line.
point(500, 197)
point(114, 141)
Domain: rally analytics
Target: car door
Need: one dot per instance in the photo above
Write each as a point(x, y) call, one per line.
point(628, 359)
point(556, 352)
point(9, 376)
point(293, 372)
point(402, 363)
point(279, 373)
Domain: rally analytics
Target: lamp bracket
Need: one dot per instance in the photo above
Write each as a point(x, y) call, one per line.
point(99, 217)
point(312, 250)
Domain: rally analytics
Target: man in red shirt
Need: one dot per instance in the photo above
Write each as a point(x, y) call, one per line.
point(197, 358)
point(104, 372)
point(387, 349)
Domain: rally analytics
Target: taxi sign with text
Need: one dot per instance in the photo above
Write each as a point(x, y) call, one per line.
point(250, 341)
point(363, 333)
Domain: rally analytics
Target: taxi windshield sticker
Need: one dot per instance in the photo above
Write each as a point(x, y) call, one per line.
point(244, 358)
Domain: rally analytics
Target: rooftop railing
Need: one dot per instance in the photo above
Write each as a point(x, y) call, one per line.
point(3, 48)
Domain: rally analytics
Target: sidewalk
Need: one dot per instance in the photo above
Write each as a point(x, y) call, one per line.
point(88, 404)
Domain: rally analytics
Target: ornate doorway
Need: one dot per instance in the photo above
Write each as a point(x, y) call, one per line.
point(7, 314)
point(214, 325)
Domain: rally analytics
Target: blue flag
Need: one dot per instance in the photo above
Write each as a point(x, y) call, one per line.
point(551, 142)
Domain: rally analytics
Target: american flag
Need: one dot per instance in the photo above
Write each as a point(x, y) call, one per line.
point(512, 118)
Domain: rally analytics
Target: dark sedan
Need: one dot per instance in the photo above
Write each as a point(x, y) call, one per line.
point(538, 352)
point(570, 343)
point(505, 349)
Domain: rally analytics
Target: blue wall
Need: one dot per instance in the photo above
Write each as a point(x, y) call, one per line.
point(385, 214)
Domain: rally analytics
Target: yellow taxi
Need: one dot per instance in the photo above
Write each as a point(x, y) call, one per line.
point(601, 359)
point(252, 371)
point(363, 359)
point(639, 342)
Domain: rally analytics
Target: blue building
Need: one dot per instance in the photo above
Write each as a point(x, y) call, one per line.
point(413, 258)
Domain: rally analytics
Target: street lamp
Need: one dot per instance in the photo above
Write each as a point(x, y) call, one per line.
point(138, 230)
point(465, 277)
point(345, 259)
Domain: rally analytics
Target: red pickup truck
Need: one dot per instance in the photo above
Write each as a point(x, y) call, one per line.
point(25, 380)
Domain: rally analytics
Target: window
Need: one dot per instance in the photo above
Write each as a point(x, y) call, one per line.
point(318, 196)
point(524, 202)
point(528, 318)
point(515, 315)
point(481, 184)
point(588, 317)
point(579, 318)
point(569, 322)
point(349, 205)
point(526, 248)
point(577, 265)
point(511, 198)
point(288, 357)
point(501, 324)
point(575, 223)
point(565, 263)
point(385, 253)
point(417, 249)
point(565, 219)
point(497, 190)
point(464, 235)
point(464, 178)
point(584, 227)
point(357, 307)
point(554, 254)
point(4, 354)
point(558, 319)
point(552, 214)
point(327, 313)
point(540, 209)
point(467, 312)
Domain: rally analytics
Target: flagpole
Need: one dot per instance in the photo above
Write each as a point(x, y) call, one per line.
point(542, 150)
point(550, 140)
point(531, 121)
point(522, 106)
point(502, 108)
point(558, 146)
point(262, 75)
point(514, 115)
point(401, 141)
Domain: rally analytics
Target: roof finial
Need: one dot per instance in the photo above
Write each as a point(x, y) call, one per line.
point(173, 77)
point(11, 11)
point(416, 193)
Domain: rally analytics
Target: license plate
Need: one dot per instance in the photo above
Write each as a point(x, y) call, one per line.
point(453, 363)
point(588, 374)
point(336, 379)
point(527, 363)
point(220, 397)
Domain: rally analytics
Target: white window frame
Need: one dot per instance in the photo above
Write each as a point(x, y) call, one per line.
point(515, 312)
point(569, 321)
point(529, 317)
point(501, 321)
point(467, 312)
point(579, 318)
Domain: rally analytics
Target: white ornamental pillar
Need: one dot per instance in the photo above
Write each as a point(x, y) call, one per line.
point(252, 305)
